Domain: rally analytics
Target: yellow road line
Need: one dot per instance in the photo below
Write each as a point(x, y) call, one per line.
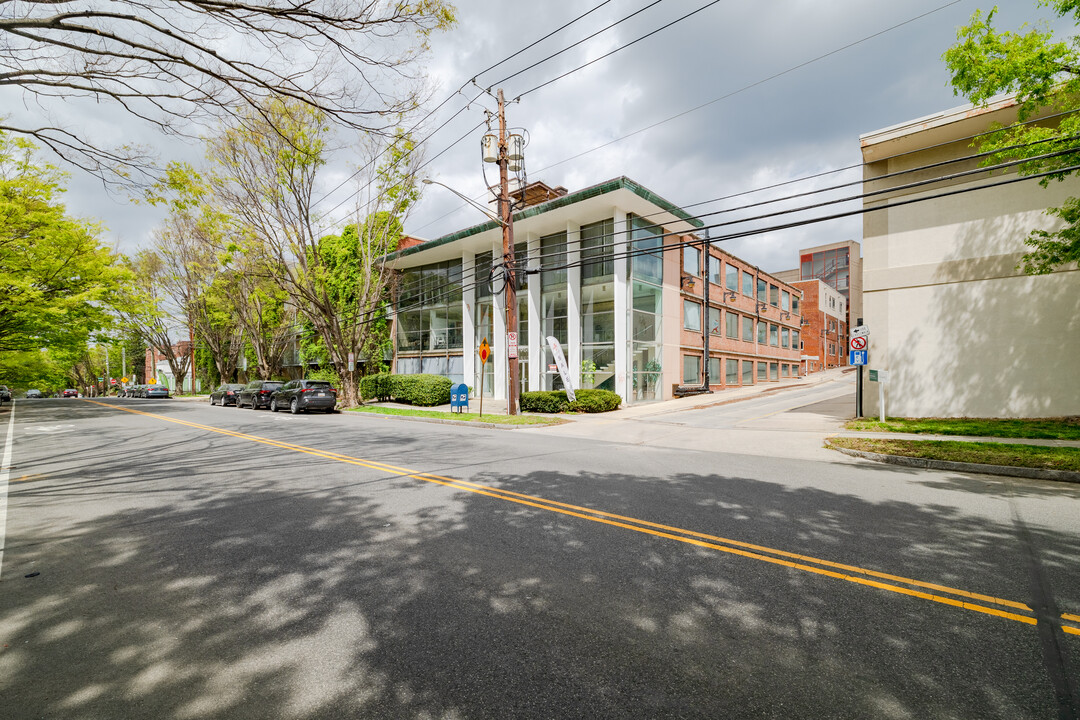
point(796, 561)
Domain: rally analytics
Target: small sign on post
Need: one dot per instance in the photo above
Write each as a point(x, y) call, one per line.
point(485, 353)
point(511, 343)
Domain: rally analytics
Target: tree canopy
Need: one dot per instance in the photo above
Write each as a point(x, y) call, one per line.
point(177, 64)
point(57, 281)
point(1043, 73)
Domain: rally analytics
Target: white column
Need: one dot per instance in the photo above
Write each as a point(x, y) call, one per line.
point(498, 343)
point(623, 307)
point(536, 338)
point(468, 317)
point(573, 303)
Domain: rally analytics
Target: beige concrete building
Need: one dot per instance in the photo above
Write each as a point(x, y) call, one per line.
point(960, 330)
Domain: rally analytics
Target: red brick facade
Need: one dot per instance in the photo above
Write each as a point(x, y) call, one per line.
point(824, 330)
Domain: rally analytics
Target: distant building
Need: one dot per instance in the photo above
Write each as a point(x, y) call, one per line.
point(824, 326)
point(960, 330)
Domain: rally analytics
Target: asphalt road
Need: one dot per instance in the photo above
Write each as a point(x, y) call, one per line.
point(165, 559)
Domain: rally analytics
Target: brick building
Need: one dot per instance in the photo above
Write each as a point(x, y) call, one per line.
point(824, 326)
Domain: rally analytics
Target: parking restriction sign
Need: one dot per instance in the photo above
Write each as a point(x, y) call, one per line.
point(858, 343)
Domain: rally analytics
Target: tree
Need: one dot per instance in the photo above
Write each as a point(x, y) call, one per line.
point(57, 281)
point(1043, 74)
point(177, 65)
point(265, 180)
point(146, 309)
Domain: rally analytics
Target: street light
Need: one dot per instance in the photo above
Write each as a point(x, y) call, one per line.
point(490, 215)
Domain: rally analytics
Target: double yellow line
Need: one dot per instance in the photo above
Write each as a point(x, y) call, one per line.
point(976, 602)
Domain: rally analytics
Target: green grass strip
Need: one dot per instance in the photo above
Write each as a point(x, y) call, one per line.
point(491, 418)
point(983, 453)
point(1038, 428)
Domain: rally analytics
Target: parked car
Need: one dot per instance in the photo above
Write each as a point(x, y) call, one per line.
point(257, 393)
point(32, 393)
point(156, 391)
point(70, 392)
point(303, 395)
point(5, 394)
point(226, 394)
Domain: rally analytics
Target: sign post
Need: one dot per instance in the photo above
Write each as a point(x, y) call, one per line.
point(485, 353)
point(861, 332)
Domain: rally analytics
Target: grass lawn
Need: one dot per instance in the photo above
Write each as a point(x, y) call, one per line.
point(986, 453)
point(1040, 428)
point(492, 418)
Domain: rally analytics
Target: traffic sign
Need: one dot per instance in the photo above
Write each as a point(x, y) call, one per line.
point(485, 351)
point(857, 357)
point(860, 331)
point(511, 339)
point(123, 379)
point(858, 343)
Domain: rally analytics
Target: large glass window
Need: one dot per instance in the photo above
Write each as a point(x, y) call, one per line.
point(714, 370)
point(747, 284)
point(762, 331)
point(429, 313)
point(762, 371)
point(748, 329)
point(785, 337)
point(795, 304)
point(785, 300)
point(484, 322)
point(597, 252)
point(691, 315)
point(553, 255)
point(553, 303)
point(645, 349)
point(731, 278)
point(762, 289)
point(774, 371)
point(774, 295)
point(747, 372)
point(648, 240)
point(714, 270)
point(774, 336)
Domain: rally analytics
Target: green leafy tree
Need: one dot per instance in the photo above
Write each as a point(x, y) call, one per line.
point(57, 281)
point(1044, 75)
point(146, 308)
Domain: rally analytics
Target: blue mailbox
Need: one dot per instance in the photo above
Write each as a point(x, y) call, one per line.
point(459, 397)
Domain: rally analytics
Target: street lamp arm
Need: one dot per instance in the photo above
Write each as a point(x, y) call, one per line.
point(490, 215)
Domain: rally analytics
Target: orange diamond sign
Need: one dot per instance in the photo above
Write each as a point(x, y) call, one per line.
point(485, 351)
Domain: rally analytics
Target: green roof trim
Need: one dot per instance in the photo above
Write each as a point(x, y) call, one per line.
point(575, 197)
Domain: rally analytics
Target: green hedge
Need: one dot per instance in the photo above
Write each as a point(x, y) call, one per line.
point(554, 401)
point(376, 387)
point(423, 390)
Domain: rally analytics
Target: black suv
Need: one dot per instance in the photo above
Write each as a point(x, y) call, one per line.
point(303, 395)
point(5, 394)
point(257, 393)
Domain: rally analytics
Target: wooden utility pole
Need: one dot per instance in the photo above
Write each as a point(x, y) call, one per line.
point(508, 260)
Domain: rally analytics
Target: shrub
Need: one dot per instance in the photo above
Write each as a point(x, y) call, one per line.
point(544, 401)
point(376, 387)
point(595, 401)
point(423, 390)
point(554, 401)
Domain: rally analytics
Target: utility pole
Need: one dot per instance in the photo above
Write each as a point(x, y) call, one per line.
point(508, 260)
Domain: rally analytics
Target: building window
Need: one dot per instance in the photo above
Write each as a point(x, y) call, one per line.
point(714, 321)
point(429, 310)
point(795, 339)
point(645, 331)
point(732, 325)
point(762, 289)
point(691, 315)
point(747, 284)
point(714, 370)
point(785, 338)
point(597, 335)
point(774, 296)
point(597, 253)
point(748, 329)
point(774, 371)
point(774, 336)
point(762, 331)
point(785, 370)
point(731, 279)
point(647, 239)
point(795, 304)
point(785, 300)
point(553, 302)
point(691, 372)
point(714, 270)
point(691, 261)
point(747, 372)
point(762, 372)
point(731, 377)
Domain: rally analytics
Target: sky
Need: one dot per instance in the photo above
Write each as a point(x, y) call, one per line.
point(787, 86)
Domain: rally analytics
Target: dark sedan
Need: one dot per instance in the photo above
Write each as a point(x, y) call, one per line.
point(303, 395)
point(226, 394)
point(256, 393)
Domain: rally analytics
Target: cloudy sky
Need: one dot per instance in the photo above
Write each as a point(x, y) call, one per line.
point(787, 87)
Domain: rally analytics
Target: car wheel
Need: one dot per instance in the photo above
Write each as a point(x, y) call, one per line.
point(330, 410)
point(273, 404)
point(294, 407)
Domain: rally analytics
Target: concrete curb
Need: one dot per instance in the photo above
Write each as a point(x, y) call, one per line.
point(924, 463)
